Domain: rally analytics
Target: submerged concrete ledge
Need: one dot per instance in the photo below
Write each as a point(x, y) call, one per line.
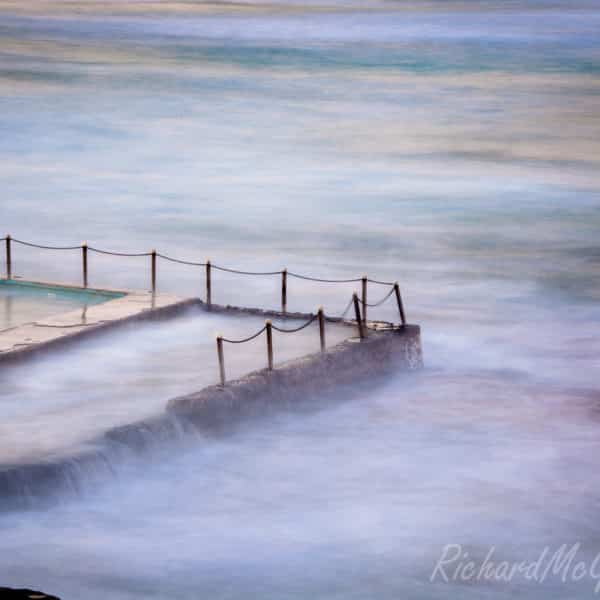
point(33, 484)
point(214, 408)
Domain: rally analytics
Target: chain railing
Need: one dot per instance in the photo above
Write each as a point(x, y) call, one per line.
point(360, 317)
point(268, 328)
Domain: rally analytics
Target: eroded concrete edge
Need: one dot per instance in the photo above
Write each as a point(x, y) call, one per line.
point(352, 360)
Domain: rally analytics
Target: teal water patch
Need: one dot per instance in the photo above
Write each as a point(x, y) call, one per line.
point(423, 58)
point(87, 296)
point(39, 75)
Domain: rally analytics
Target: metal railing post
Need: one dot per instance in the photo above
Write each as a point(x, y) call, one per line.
point(364, 298)
point(84, 260)
point(321, 317)
point(8, 258)
point(284, 290)
point(153, 258)
point(400, 304)
point(269, 327)
point(208, 285)
point(221, 359)
point(359, 321)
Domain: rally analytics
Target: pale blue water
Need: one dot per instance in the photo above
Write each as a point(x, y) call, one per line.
point(453, 147)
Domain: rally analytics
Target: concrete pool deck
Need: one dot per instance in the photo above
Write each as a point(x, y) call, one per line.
point(121, 306)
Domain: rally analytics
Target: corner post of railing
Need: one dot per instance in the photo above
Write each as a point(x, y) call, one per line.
point(84, 262)
point(208, 285)
point(364, 298)
point(359, 321)
point(221, 359)
point(400, 304)
point(153, 259)
point(284, 290)
point(8, 257)
point(321, 317)
point(269, 328)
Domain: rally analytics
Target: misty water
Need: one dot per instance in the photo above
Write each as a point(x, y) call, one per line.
point(451, 146)
point(127, 375)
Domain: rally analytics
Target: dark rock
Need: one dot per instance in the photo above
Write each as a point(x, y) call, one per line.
point(24, 594)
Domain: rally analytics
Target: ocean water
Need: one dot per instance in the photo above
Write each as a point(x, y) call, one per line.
point(452, 146)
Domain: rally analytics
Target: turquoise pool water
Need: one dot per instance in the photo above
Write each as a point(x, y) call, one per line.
point(23, 302)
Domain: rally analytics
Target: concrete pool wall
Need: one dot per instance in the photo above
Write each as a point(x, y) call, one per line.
point(350, 363)
point(347, 365)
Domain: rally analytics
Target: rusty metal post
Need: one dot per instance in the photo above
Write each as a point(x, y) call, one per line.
point(284, 290)
point(8, 258)
point(321, 317)
point(208, 285)
point(153, 256)
point(84, 259)
point(221, 359)
point(400, 304)
point(364, 298)
point(359, 321)
point(269, 327)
